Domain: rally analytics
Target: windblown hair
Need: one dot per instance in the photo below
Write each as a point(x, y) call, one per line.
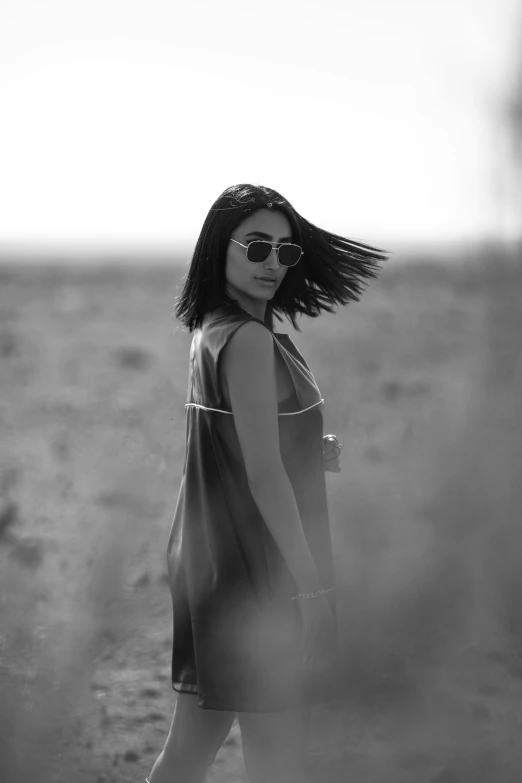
point(332, 271)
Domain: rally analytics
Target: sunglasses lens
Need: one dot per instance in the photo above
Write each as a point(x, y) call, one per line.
point(258, 251)
point(289, 255)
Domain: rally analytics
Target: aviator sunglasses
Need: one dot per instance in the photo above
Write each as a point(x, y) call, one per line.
point(259, 249)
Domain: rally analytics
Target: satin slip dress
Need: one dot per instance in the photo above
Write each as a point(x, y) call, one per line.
point(236, 631)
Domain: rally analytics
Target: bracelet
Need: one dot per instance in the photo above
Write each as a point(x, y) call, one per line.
point(322, 591)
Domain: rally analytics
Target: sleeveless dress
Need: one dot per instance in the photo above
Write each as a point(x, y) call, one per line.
point(236, 632)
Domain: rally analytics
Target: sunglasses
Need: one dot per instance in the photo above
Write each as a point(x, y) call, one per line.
point(259, 249)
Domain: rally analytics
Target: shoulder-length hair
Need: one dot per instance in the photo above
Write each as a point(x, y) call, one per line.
point(332, 271)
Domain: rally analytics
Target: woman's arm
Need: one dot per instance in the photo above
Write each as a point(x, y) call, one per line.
point(248, 364)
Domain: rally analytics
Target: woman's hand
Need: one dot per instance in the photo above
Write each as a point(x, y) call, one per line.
point(318, 647)
point(331, 453)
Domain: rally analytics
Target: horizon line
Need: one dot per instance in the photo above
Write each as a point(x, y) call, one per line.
point(127, 250)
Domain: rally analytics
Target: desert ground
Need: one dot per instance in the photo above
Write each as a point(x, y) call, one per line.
point(421, 381)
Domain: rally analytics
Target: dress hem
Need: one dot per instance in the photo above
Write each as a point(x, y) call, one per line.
point(206, 703)
point(185, 687)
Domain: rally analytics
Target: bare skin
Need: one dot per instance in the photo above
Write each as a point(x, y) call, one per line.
point(242, 275)
point(274, 744)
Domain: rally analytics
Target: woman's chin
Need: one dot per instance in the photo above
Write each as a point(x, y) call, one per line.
point(264, 293)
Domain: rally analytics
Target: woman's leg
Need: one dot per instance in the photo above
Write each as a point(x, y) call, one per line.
point(275, 745)
point(194, 738)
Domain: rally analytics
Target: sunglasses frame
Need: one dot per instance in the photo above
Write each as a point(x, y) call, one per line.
point(275, 247)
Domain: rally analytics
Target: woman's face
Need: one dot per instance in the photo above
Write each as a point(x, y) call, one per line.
point(243, 276)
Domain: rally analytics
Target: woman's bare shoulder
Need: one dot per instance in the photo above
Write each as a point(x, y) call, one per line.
point(248, 364)
point(250, 372)
point(251, 345)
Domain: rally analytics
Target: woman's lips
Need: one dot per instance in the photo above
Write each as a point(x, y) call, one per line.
point(266, 280)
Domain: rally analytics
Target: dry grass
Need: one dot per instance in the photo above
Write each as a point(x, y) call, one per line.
point(420, 382)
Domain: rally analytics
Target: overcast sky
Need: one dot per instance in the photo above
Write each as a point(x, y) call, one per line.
point(123, 120)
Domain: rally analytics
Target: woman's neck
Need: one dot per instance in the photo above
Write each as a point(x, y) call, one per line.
point(255, 307)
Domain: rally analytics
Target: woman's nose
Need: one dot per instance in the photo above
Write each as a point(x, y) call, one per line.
point(272, 262)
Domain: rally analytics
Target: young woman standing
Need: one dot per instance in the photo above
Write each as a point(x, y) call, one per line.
point(249, 554)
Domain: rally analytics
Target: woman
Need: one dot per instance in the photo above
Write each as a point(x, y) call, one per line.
point(249, 554)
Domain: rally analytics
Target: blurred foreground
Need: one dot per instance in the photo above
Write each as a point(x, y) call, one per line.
point(421, 382)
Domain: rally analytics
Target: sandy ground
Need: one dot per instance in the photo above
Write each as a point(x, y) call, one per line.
point(419, 383)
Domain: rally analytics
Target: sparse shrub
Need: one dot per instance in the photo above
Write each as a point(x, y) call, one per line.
point(133, 358)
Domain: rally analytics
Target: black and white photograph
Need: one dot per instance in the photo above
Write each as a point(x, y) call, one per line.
point(260, 391)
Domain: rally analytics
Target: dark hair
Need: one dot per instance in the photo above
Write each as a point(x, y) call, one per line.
point(332, 271)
